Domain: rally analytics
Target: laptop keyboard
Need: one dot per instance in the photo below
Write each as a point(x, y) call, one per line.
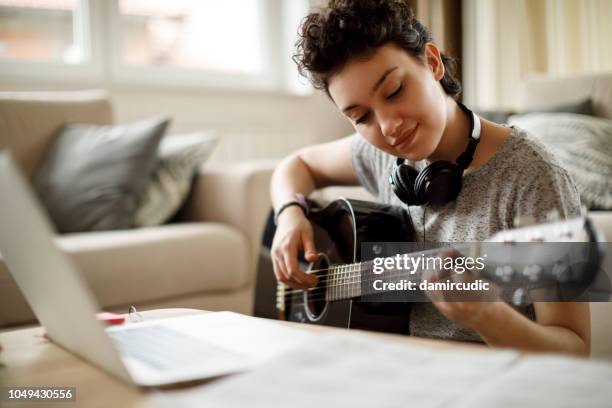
point(165, 348)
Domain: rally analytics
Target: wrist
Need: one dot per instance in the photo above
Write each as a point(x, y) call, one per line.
point(298, 203)
point(489, 314)
point(292, 212)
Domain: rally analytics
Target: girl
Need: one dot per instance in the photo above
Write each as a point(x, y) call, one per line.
point(379, 66)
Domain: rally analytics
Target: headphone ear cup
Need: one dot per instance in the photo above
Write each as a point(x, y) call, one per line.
point(438, 183)
point(403, 178)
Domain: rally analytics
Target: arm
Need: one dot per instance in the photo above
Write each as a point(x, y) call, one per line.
point(559, 327)
point(308, 169)
point(312, 168)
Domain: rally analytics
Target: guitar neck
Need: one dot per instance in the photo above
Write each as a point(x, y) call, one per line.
point(356, 279)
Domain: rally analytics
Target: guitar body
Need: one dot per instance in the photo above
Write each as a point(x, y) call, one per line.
point(558, 261)
point(339, 229)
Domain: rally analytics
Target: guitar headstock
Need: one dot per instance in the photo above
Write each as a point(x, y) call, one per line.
point(561, 253)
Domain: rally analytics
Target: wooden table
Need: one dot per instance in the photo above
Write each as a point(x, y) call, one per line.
point(29, 359)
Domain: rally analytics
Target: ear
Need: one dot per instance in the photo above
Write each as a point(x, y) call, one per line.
point(434, 62)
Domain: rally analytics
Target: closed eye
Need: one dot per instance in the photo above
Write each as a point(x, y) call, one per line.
point(363, 118)
point(396, 92)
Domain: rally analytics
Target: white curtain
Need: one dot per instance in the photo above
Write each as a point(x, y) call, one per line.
point(506, 40)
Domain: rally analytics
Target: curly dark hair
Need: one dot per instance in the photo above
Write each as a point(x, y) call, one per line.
point(327, 39)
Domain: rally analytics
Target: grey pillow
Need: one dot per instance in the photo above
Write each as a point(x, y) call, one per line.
point(93, 176)
point(583, 145)
point(583, 107)
point(180, 157)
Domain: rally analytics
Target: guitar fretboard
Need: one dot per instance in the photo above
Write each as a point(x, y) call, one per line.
point(357, 279)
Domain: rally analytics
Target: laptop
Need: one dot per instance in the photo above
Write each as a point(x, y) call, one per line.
point(147, 353)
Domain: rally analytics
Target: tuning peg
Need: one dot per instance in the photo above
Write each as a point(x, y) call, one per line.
point(504, 272)
point(532, 272)
point(561, 272)
point(523, 221)
point(520, 297)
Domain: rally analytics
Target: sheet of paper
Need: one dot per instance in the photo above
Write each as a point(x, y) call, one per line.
point(547, 381)
point(344, 369)
point(259, 339)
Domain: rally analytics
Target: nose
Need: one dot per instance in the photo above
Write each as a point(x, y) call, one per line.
point(391, 126)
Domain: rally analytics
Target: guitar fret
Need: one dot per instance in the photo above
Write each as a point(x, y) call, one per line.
point(330, 283)
point(341, 281)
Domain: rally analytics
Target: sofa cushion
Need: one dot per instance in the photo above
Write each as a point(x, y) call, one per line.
point(583, 145)
point(179, 158)
point(581, 107)
point(146, 264)
point(93, 176)
point(29, 121)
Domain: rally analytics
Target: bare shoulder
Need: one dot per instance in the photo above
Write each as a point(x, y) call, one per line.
point(330, 163)
point(493, 136)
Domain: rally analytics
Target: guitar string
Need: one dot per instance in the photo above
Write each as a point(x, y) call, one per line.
point(315, 293)
point(411, 254)
point(297, 299)
point(350, 274)
point(344, 279)
point(349, 271)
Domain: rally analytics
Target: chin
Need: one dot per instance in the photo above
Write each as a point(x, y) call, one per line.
point(415, 153)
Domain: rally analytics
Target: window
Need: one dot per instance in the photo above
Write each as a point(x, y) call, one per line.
point(193, 34)
point(42, 31)
point(196, 43)
point(202, 43)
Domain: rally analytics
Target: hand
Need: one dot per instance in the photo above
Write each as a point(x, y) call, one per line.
point(465, 308)
point(293, 232)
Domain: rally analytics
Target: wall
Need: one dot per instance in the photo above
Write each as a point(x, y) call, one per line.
point(251, 125)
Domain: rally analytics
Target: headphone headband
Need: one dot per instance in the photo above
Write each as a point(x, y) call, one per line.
point(465, 158)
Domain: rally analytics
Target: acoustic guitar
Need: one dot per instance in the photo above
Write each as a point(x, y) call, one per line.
point(349, 234)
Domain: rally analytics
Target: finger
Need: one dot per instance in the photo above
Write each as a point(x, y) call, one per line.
point(296, 276)
point(286, 279)
point(279, 271)
point(310, 252)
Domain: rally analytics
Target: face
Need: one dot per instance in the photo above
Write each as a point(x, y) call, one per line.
point(394, 100)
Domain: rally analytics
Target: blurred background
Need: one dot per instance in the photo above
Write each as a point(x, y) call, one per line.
point(189, 231)
point(226, 65)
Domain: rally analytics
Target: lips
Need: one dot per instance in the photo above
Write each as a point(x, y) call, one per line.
point(406, 137)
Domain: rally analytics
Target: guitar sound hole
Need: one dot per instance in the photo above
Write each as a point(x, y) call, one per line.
point(314, 299)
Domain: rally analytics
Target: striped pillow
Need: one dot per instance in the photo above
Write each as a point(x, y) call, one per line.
point(583, 145)
point(179, 158)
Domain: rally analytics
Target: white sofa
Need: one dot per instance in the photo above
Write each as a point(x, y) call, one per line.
point(206, 261)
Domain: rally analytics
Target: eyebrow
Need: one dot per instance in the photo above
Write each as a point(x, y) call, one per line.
point(374, 88)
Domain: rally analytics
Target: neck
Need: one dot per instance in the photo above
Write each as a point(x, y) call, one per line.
point(455, 136)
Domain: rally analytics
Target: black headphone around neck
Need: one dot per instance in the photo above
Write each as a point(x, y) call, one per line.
point(440, 182)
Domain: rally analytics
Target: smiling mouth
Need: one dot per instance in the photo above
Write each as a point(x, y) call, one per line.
point(406, 137)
